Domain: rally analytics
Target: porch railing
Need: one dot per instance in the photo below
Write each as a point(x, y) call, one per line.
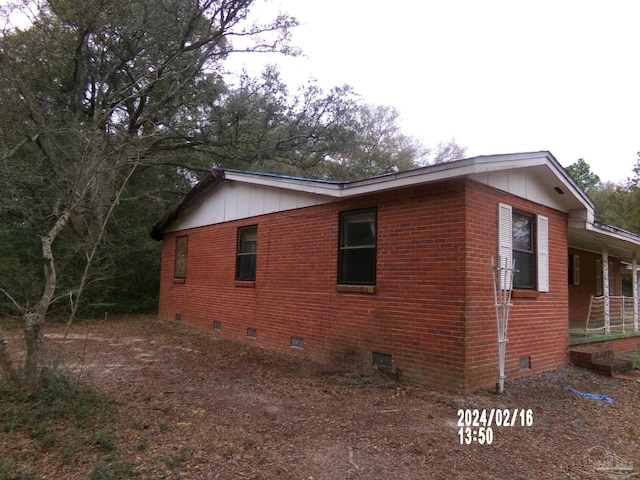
point(620, 317)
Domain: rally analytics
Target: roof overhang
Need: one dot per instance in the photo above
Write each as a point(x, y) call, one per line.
point(542, 164)
point(553, 186)
point(598, 238)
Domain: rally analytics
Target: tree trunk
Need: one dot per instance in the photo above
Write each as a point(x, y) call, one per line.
point(34, 320)
point(33, 338)
point(6, 365)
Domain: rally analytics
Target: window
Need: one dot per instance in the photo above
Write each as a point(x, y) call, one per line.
point(180, 265)
point(247, 248)
point(574, 269)
point(357, 262)
point(523, 252)
point(524, 238)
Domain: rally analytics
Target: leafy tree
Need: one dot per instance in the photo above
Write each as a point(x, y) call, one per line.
point(614, 204)
point(376, 146)
point(110, 110)
point(581, 173)
point(617, 204)
point(448, 151)
point(93, 95)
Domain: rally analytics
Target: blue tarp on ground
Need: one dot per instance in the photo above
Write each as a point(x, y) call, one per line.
point(591, 396)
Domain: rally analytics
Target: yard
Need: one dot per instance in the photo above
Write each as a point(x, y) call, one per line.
point(190, 406)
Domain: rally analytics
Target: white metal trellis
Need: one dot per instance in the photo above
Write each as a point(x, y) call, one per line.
point(502, 286)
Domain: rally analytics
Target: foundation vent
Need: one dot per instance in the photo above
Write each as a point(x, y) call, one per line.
point(525, 363)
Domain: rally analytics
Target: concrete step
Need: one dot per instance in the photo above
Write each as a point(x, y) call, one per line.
point(584, 356)
point(599, 360)
point(611, 366)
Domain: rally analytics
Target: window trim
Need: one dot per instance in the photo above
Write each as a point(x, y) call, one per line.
point(240, 254)
point(341, 232)
point(530, 254)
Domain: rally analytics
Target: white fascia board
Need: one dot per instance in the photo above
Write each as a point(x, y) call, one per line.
point(427, 174)
point(319, 187)
point(470, 166)
point(614, 233)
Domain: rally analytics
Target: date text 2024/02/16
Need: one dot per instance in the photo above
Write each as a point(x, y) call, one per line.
point(476, 425)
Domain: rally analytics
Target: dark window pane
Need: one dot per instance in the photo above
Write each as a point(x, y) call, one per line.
point(359, 229)
point(246, 267)
point(247, 248)
point(180, 265)
point(522, 232)
point(524, 276)
point(358, 266)
point(248, 240)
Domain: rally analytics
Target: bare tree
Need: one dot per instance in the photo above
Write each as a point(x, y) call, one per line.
point(92, 94)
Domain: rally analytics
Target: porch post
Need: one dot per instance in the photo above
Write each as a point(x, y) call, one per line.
point(605, 290)
point(634, 279)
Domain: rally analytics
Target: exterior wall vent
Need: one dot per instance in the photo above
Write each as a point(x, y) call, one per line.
point(297, 342)
point(252, 333)
point(525, 363)
point(382, 360)
point(178, 317)
point(217, 325)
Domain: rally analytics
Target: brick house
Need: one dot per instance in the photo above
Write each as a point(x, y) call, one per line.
point(391, 272)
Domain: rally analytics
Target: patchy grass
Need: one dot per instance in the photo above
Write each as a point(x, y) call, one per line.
point(63, 420)
point(187, 405)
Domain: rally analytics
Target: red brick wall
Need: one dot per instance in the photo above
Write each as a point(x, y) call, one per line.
point(433, 299)
point(537, 326)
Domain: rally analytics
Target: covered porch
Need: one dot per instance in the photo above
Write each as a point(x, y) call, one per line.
point(604, 297)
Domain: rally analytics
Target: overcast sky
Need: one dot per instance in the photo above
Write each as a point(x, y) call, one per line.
point(501, 76)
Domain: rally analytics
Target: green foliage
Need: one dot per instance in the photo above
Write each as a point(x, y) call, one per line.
point(581, 173)
point(94, 98)
point(63, 417)
point(10, 472)
point(125, 104)
point(615, 205)
point(106, 440)
point(59, 399)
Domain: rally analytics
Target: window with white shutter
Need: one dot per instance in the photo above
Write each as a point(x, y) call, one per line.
point(524, 238)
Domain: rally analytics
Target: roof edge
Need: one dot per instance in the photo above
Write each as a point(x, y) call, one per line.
point(344, 189)
point(208, 183)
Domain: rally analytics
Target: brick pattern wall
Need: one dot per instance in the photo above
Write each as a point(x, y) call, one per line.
point(538, 328)
point(432, 310)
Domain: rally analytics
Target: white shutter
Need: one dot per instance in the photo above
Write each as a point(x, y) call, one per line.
point(576, 269)
point(543, 254)
point(505, 235)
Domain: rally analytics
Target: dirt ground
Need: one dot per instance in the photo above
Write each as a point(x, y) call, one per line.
point(193, 407)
